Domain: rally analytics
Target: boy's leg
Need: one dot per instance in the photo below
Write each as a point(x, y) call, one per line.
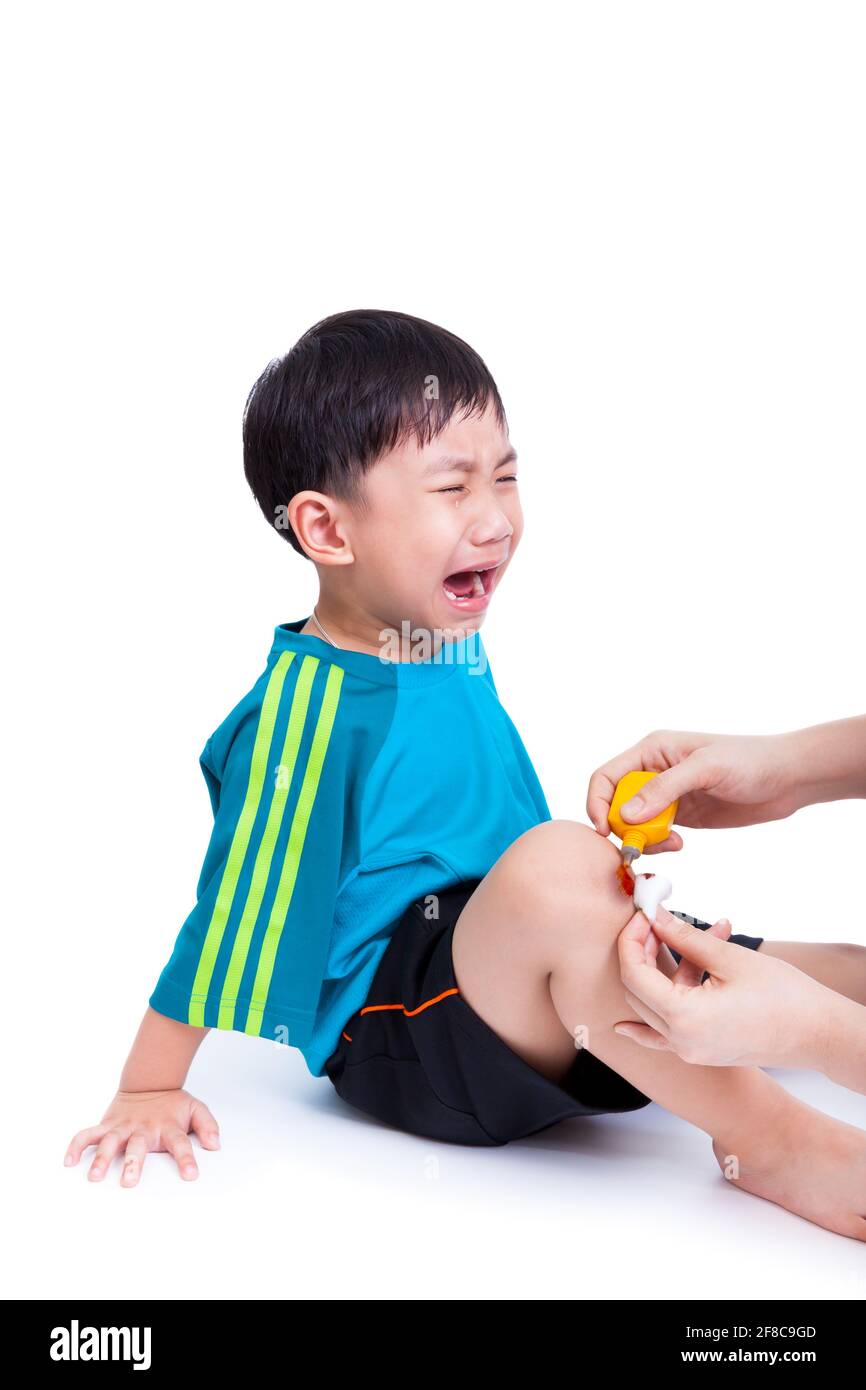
point(534, 953)
point(535, 956)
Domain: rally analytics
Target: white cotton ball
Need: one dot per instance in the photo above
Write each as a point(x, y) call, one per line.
point(649, 891)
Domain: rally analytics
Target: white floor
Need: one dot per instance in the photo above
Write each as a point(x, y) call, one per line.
point(308, 1198)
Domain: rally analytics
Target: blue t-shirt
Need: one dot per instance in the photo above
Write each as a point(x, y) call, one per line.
point(343, 787)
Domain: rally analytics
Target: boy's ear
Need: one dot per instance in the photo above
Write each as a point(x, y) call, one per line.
point(320, 528)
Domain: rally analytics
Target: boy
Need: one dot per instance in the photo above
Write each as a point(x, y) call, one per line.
point(385, 888)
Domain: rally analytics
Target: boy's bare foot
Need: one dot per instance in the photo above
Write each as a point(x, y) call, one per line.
point(805, 1161)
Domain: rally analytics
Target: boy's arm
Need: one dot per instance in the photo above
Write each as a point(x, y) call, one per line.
point(161, 1054)
point(251, 954)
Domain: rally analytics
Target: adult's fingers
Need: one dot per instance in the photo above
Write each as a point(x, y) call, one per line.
point(689, 974)
point(702, 948)
point(642, 977)
point(674, 841)
point(643, 1034)
point(692, 774)
point(602, 785)
point(646, 1013)
point(651, 947)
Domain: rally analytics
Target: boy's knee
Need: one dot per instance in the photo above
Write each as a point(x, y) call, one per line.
point(566, 872)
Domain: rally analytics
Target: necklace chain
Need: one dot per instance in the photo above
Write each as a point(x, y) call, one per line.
point(322, 630)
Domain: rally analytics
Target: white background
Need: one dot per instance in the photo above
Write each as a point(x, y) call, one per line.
point(650, 221)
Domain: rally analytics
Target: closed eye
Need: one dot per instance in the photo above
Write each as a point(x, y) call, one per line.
point(509, 478)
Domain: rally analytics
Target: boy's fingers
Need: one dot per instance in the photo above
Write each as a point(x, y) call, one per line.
point(81, 1141)
point(204, 1125)
point(137, 1149)
point(106, 1149)
point(179, 1145)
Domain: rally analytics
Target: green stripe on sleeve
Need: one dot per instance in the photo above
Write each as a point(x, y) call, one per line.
point(240, 840)
point(294, 849)
point(261, 871)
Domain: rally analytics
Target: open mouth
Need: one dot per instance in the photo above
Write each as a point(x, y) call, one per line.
point(470, 588)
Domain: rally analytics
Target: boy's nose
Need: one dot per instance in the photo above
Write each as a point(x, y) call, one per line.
point(492, 533)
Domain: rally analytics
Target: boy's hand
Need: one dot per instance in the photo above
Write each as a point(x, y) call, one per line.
point(143, 1122)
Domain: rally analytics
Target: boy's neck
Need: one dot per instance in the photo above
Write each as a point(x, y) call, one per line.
point(343, 632)
point(360, 633)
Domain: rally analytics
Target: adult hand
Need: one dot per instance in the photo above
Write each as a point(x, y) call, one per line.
point(751, 1010)
point(721, 780)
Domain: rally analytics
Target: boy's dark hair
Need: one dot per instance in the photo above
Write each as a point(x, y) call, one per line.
point(351, 388)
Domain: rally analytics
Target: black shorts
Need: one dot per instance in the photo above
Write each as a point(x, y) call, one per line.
point(417, 1057)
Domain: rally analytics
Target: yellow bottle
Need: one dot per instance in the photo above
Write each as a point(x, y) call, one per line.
point(635, 838)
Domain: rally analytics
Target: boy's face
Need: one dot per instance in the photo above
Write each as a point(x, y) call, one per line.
point(437, 515)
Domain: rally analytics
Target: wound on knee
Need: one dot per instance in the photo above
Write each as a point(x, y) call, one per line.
point(625, 878)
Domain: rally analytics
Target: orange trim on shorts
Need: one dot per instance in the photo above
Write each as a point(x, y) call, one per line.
point(410, 1013)
point(372, 1008)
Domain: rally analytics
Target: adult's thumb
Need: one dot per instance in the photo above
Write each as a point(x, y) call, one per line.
point(660, 791)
